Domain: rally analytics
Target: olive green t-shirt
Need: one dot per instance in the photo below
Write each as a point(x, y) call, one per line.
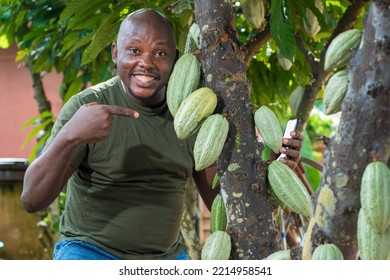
point(127, 193)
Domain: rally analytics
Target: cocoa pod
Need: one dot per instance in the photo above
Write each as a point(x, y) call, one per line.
point(254, 12)
point(372, 245)
point(194, 109)
point(289, 188)
point(269, 128)
point(183, 81)
point(339, 50)
point(210, 140)
point(327, 252)
point(217, 246)
point(375, 195)
point(335, 92)
point(218, 219)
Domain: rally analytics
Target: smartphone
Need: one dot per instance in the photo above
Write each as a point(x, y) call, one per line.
point(292, 125)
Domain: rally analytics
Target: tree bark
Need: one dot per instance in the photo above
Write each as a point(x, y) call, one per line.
point(363, 135)
point(242, 173)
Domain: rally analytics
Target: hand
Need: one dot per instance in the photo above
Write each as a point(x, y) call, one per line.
point(293, 150)
point(92, 122)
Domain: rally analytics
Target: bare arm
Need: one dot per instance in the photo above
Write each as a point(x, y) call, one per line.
point(204, 180)
point(46, 176)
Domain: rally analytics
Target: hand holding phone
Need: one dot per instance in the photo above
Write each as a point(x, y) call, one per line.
point(292, 125)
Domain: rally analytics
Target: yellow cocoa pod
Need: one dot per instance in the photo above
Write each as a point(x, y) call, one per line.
point(183, 80)
point(372, 245)
point(339, 50)
point(375, 195)
point(194, 109)
point(253, 11)
point(327, 252)
point(269, 128)
point(210, 140)
point(217, 246)
point(289, 188)
point(335, 92)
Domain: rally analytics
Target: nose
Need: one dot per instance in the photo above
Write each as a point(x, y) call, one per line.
point(147, 61)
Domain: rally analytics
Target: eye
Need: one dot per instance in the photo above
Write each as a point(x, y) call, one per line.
point(133, 51)
point(161, 53)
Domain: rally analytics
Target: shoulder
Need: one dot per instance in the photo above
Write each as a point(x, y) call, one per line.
point(97, 92)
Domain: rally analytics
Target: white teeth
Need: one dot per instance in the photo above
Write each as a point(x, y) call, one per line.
point(144, 79)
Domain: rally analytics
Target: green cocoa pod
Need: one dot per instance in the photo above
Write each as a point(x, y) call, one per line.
point(372, 246)
point(339, 50)
point(284, 62)
point(194, 109)
point(296, 98)
point(218, 219)
point(183, 80)
point(335, 92)
point(375, 195)
point(327, 252)
point(210, 140)
point(253, 11)
point(280, 255)
point(310, 22)
point(217, 246)
point(269, 128)
point(193, 39)
point(289, 188)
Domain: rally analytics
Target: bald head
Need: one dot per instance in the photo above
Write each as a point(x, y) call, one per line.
point(149, 18)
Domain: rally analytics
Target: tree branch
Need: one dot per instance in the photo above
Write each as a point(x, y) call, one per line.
point(256, 42)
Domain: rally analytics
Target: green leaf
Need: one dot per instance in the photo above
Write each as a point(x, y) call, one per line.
point(282, 28)
point(103, 36)
point(35, 131)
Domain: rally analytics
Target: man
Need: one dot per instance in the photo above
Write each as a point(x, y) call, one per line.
point(115, 146)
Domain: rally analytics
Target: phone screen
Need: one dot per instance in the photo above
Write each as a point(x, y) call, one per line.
point(291, 126)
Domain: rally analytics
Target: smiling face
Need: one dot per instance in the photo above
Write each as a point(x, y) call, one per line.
point(144, 55)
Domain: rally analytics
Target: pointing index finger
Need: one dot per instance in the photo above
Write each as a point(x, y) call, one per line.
point(121, 111)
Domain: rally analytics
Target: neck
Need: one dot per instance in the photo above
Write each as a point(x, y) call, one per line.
point(154, 101)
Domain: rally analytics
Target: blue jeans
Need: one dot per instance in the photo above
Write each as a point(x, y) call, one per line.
point(72, 249)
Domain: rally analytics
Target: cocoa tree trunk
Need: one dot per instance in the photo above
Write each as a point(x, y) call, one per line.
point(241, 171)
point(363, 134)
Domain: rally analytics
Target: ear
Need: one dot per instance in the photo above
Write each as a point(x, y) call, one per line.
point(114, 53)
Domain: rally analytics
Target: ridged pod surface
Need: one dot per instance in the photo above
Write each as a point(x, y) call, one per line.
point(335, 92)
point(253, 11)
point(193, 110)
point(269, 128)
point(289, 188)
point(372, 245)
point(183, 80)
point(327, 252)
point(339, 50)
point(192, 40)
point(280, 255)
point(210, 140)
point(217, 246)
point(218, 219)
point(375, 195)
